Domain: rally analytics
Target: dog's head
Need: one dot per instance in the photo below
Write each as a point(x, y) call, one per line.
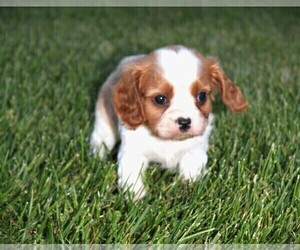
point(170, 91)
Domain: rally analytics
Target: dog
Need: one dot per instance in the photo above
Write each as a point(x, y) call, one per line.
point(159, 105)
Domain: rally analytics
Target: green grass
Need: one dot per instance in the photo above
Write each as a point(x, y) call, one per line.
point(53, 61)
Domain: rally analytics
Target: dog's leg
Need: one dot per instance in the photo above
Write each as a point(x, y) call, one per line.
point(131, 169)
point(192, 165)
point(104, 135)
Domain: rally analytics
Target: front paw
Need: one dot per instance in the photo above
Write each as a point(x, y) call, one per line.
point(193, 166)
point(139, 195)
point(193, 174)
point(134, 191)
point(98, 146)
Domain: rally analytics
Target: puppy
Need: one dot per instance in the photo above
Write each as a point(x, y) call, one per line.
point(159, 105)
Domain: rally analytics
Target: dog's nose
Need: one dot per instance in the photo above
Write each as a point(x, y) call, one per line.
point(184, 124)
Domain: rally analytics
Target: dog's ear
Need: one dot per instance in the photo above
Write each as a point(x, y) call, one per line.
point(230, 93)
point(127, 99)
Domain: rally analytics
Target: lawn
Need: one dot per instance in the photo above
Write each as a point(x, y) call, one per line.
point(52, 190)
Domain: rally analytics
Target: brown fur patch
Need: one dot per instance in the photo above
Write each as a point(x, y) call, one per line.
point(230, 93)
point(130, 93)
point(127, 99)
point(202, 85)
point(212, 73)
point(155, 85)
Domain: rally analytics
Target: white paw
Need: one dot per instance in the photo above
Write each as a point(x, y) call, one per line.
point(192, 166)
point(193, 174)
point(98, 146)
point(139, 195)
point(134, 190)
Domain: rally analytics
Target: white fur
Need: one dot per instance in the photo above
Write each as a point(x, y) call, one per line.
point(140, 146)
point(179, 68)
point(103, 138)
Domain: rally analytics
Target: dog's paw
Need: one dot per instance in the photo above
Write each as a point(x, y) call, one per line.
point(98, 146)
point(193, 174)
point(139, 195)
point(134, 190)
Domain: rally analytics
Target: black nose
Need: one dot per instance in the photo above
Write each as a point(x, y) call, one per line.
point(184, 124)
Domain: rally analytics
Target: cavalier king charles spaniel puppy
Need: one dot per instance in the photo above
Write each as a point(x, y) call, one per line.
point(159, 105)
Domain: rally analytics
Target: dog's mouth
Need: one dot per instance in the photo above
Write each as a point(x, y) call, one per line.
point(183, 136)
point(177, 136)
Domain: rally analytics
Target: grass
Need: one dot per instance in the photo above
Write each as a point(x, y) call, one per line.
point(52, 190)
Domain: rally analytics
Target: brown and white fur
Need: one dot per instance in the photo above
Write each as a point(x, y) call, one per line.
point(159, 105)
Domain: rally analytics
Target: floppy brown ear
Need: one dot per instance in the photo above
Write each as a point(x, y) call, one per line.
point(127, 99)
point(230, 93)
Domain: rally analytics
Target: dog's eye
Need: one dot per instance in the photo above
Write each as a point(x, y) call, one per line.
point(201, 97)
point(160, 99)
